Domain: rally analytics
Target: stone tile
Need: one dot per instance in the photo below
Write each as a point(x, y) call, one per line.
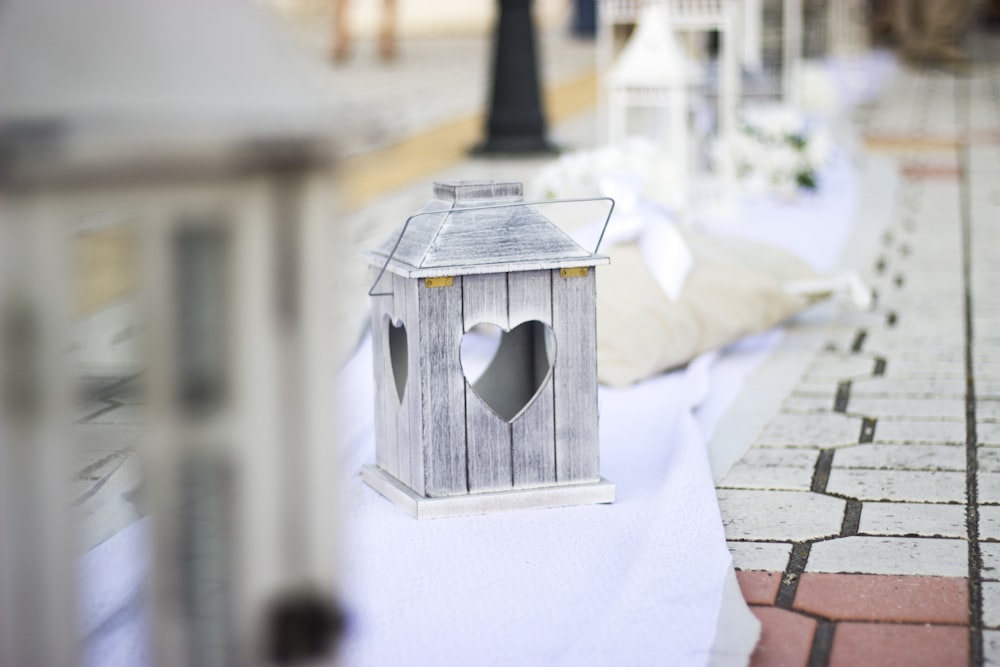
point(916, 431)
point(790, 430)
point(898, 485)
point(785, 638)
point(759, 587)
point(807, 404)
point(991, 604)
point(890, 555)
point(786, 478)
point(987, 434)
point(125, 414)
point(989, 459)
point(760, 555)
point(895, 645)
point(903, 457)
point(780, 457)
point(989, 487)
point(876, 597)
point(991, 648)
point(916, 408)
point(909, 387)
point(988, 410)
point(989, 522)
point(839, 367)
point(914, 520)
point(924, 368)
point(779, 515)
point(990, 552)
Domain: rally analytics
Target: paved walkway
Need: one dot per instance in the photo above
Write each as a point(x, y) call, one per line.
point(865, 519)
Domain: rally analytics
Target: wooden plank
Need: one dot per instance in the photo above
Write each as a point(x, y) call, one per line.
point(574, 320)
point(401, 297)
point(533, 431)
point(488, 446)
point(414, 443)
point(484, 299)
point(488, 450)
point(385, 419)
point(442, 389)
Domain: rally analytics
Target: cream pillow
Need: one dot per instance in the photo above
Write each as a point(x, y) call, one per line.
point(735, 288)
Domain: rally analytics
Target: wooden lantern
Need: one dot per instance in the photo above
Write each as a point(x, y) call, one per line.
point(525, 433)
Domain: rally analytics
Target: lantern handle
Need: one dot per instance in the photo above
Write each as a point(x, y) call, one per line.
point(402, 232)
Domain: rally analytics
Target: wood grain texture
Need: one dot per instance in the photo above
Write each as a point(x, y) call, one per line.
point(487, 434)
point(401, 295)
point(385, 421)
point(488, 447)
point(533, 431)
point(484, 299)
point(574, 322)
point(442, 389)
point(414, 428)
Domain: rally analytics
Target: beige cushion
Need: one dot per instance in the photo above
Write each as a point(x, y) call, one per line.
point(735, 288)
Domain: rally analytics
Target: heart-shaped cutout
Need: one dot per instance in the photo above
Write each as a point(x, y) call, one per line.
point(506, 369)
point(399, 355)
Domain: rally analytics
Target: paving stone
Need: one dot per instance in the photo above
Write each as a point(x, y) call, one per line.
point(918, 431)
point(779, 515)
point(791, 430)
point(989, 459)
point(989, 522)
point(836, 367)
point(991, 604)
point(917, 408)
point(890, 555)
point(898, 485)
point(780, 457)
point(760, 555)
point(902, 457)
point(987, 434)
point(914, 520)
point(785, 638)
point(991, 648)
point(876, 597)
point(909, 387)
point(990, 552)
point(988, 411)
point(897, 645)
point(807, 404)
point(759, 587)
point(787, 478)
point(989, 487)
point(125, 414)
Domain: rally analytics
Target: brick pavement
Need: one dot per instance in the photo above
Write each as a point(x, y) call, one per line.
point(863, 521)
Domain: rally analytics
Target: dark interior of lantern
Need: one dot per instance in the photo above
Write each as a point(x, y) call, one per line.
point(521, 364)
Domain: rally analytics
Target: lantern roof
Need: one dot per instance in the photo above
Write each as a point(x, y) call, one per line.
point(475, 227)
point(653, 57)
point(124, 85)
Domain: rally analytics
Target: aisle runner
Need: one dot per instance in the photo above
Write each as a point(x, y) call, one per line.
point(636, 582)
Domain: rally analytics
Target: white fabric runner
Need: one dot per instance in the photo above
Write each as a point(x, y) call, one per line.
point(638, 582)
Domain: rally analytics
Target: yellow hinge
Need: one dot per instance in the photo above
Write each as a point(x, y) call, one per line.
point(577, 272)
point(443, 281)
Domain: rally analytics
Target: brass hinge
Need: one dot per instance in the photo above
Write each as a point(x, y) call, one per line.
point(577, 272)
point(443, 281)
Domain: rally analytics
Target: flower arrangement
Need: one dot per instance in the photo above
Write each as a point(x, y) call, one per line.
point(776, 150)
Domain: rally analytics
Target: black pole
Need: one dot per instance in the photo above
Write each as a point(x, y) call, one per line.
point(516, 122)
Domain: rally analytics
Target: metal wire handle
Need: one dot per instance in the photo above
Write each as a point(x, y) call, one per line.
point(402, 232)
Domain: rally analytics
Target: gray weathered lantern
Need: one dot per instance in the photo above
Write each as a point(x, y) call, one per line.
point(525, 433)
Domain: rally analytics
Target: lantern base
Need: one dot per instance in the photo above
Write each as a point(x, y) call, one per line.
point(419, 507)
